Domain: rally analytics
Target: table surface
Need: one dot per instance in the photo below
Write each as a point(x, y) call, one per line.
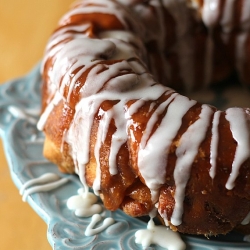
point(25, 26)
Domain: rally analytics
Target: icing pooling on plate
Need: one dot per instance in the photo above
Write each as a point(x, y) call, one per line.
point(20, 168)
point(92, 230)
point(48, 181)
point(28, 115)
point(240, 131)
point(85, 205)
point(124, 80)
point(159, 235)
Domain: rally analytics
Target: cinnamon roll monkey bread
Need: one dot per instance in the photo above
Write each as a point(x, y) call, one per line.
point(112, 112)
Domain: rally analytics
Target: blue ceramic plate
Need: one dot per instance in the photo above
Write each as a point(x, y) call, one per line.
point(19, 110)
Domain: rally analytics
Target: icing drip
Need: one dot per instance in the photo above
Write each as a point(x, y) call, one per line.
point(85, 112)
point(214, 143)
point(118, 139)
point(25, 114)
point(49, 182)
point(210, 12)
point(246, 221)
point(153, 119)
point(89, 106)
point(90, 230)
point(101, 135)
point(160, 235)
point(84, 204)
point(239, 128)
point(149, 155)
point(186, 153)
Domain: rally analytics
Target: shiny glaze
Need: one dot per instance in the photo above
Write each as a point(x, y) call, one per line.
point(86, 204)
point(159, 235)
point(90, 68)
point(46, 182)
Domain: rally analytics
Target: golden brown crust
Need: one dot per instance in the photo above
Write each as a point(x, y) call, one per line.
point(209, 206)
point(205, 198)
point(62, 159)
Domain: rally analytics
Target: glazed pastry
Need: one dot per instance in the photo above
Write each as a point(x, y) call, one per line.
point(228, 23)
point(136, 142)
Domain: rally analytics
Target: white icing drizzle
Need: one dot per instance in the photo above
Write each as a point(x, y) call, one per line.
point(210, 12)
point(87, 108)
point(160, 235)
point(49, 182)
point(246, 220)
point(101, 135)
point(150, 155)
point(134, 108)
point(152, 121)
point(186, 153)
point(84, 204)
point(118, 139)
point(128, 79)
point(240, 131)
point(24, 114)
point(90, 230)
point(214, 143)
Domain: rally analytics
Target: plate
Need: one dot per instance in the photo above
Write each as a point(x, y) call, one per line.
point(23, 143)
